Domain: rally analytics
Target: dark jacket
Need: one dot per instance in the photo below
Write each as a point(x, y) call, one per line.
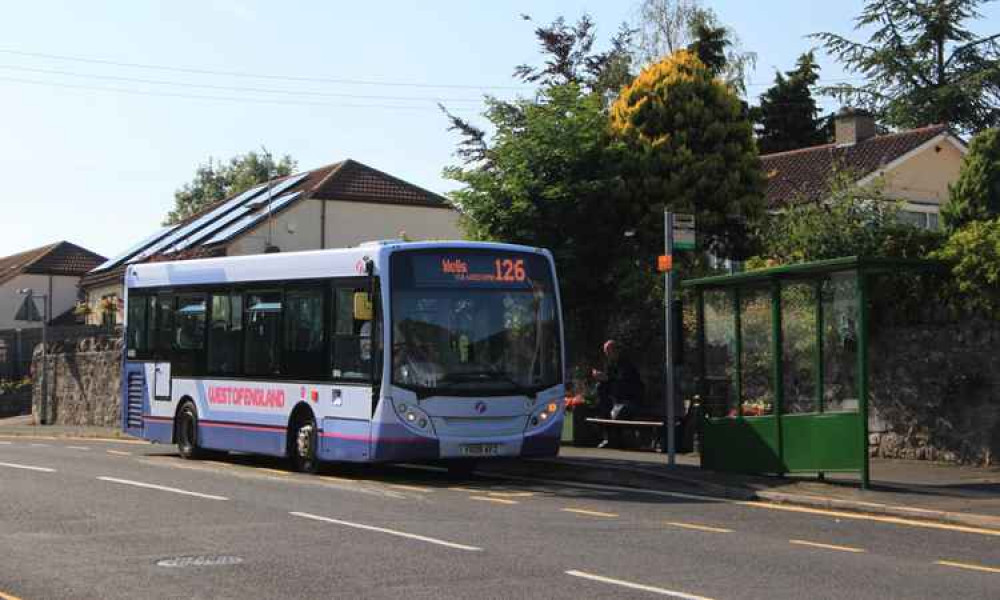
point(624, 384)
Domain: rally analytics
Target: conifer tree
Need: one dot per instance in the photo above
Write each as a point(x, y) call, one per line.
point(787, 115)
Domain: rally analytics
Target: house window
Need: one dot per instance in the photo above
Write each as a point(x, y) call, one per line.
point(109, 310)
point(923, 220)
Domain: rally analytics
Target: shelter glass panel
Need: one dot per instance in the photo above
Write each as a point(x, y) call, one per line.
point(799, 341)
point(720, 353)
point(840, 342)
point(757, 387)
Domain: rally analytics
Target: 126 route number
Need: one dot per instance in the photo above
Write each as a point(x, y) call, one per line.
point(509, 269)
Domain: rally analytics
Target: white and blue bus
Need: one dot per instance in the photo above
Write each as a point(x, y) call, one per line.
point(391, 351)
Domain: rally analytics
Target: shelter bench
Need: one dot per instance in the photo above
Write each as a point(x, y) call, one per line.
point(659, 428)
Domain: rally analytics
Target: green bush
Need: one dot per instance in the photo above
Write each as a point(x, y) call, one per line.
point(10, 386)
point(974, 255)
point(975, 196)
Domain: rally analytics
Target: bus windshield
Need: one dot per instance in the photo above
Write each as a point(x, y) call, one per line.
point(470, 322)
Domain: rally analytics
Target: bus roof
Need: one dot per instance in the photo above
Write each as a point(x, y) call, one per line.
point(312, 264)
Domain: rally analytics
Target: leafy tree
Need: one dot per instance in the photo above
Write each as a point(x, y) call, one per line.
point(214, 181)
point(570, 57)
point(693, 152)
point(974, 254)
point(788, 113)
point(922, 64)
point(546, 177)
point(666, 26)
point(975, 196)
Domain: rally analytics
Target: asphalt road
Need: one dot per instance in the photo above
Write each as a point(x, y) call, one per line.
point(105, 520)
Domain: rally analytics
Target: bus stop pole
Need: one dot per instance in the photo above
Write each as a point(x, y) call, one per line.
point(668, 295)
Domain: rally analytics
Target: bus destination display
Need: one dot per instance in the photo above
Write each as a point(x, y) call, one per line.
point(478, 269)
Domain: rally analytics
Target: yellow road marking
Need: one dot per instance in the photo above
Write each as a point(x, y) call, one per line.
point(119, 452)
point(457, 488)
point(412, 488)
point(863, 517)
point(511, 494)
point(700, 527)
point(959, 565)
point(269, 470)
point(337, 479)
point(73, 439)
point(4, 596)
point(496, 500)
point(217, 463)
point(826, 546)
point(590, 513)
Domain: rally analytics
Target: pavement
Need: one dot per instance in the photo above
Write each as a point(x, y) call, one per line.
point(101, 518)
point(917, 490)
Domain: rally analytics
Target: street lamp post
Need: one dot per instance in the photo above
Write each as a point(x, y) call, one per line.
point(44, 405)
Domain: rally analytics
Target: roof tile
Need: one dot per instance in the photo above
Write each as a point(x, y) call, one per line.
point(804, 175)
point(60, 258)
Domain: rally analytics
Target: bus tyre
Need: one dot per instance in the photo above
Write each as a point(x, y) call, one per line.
point(187, 433)
point(462, 468)
point(304, 446)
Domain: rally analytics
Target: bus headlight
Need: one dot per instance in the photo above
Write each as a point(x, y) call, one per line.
point(549, 411)
point(413, 416)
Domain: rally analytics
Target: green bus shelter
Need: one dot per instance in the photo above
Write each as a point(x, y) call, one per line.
point(781, 365)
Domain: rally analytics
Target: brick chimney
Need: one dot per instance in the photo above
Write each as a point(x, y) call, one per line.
point(853, 125)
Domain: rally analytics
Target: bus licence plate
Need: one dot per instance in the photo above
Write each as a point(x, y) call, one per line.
point(480, 449)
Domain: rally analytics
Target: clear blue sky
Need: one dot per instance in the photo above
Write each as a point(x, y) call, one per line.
point(98, 167)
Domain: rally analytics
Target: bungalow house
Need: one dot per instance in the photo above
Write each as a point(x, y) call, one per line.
point(54, 270)
point(334, 206)
point(915, 166)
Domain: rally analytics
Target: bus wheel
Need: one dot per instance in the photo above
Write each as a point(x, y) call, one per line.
point(187, 432)
point(462, 468)
point(304, 446)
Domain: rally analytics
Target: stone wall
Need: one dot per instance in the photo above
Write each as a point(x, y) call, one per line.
point(83, 380)
point(935, 392)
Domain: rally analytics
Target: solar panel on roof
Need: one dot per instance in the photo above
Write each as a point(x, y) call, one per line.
point(251, 219)
point(195, 225)
point(114, 262)
point(249, 201)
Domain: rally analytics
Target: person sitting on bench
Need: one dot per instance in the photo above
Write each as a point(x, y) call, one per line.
point(619, 389)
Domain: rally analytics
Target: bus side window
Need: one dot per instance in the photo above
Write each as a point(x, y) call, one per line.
point(262, 334)
point(304, 342)
point(163, 306)
point(138, 327)
point(225, 334)
point(188, 340)
point(352, 333)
